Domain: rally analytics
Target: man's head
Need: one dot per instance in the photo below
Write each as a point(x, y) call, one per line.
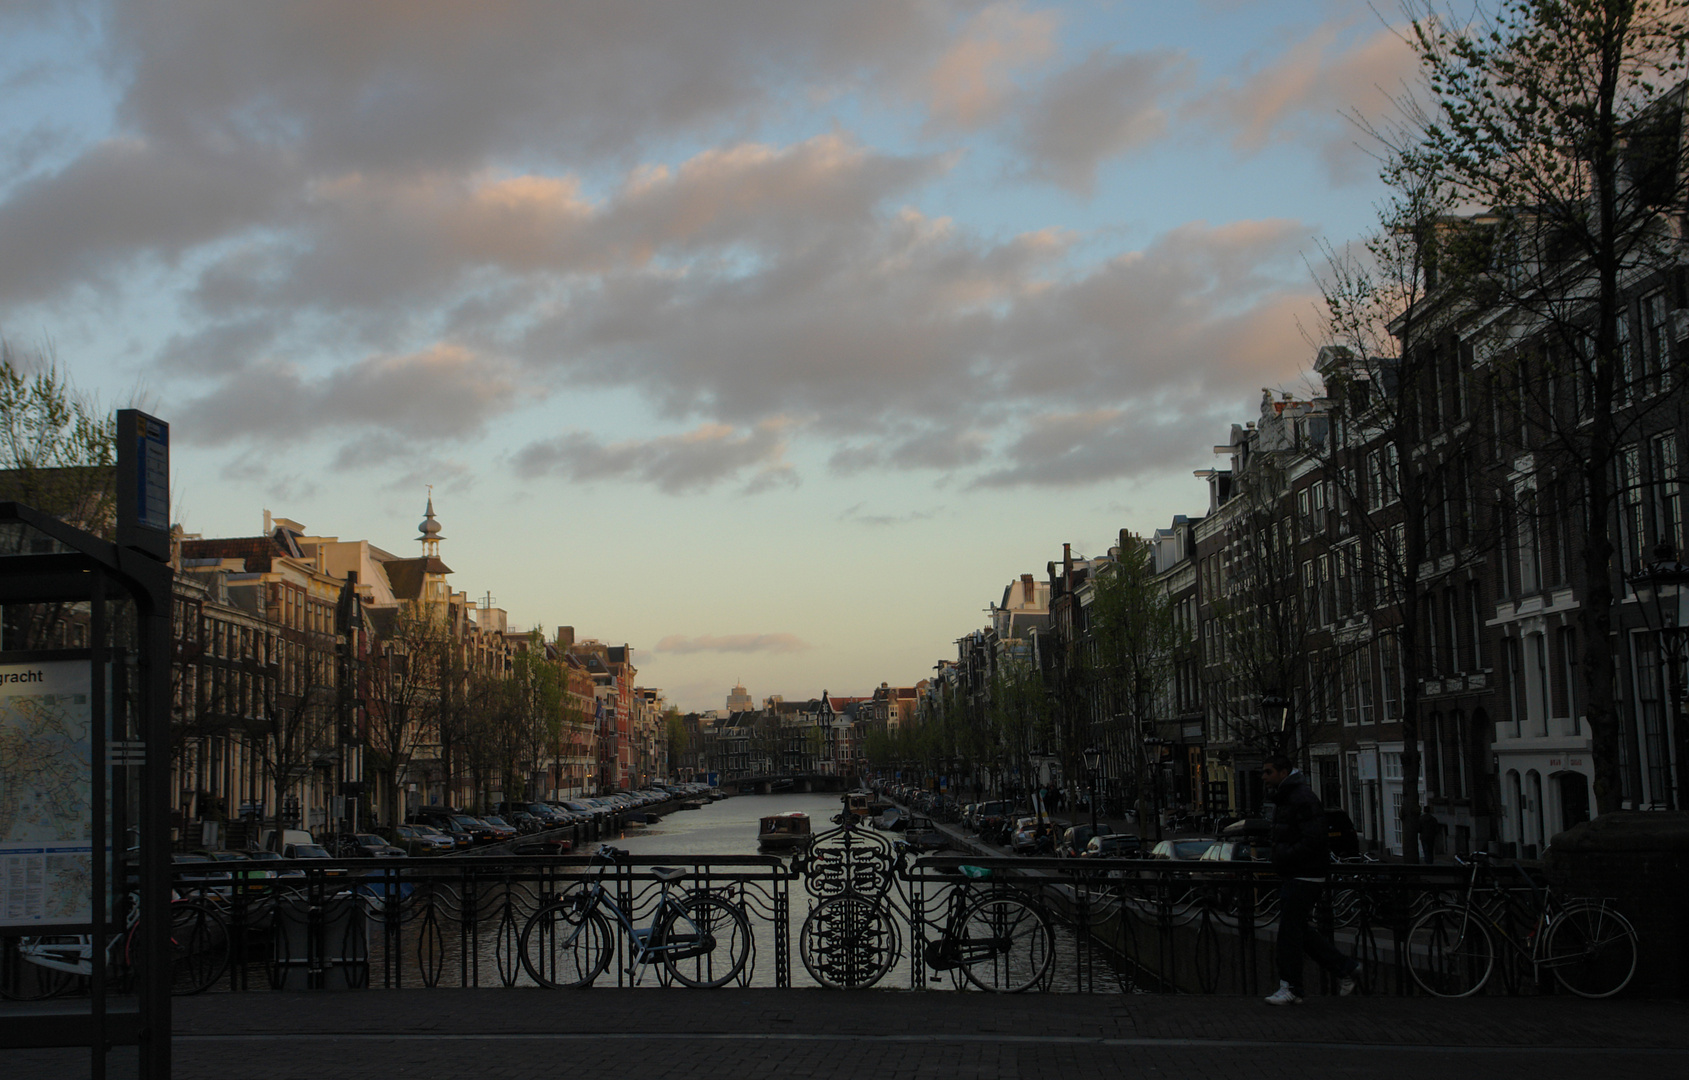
point(1275, 769)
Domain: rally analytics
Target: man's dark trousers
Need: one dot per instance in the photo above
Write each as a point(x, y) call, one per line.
point(1297, 898)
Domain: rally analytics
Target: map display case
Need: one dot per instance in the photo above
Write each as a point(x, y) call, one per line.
point(85, 660)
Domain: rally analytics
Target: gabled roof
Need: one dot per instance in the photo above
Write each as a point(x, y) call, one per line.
point(257, 553)
point(407, 575)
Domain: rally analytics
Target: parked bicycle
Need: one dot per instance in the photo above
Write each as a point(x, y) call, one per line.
point(698, 939)
point(50, 965)
point(997, 941)
point(1589, 947)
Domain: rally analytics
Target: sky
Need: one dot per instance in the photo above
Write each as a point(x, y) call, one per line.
point(770, 337)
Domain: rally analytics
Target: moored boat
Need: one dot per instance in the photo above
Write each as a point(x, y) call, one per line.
point(784, 832)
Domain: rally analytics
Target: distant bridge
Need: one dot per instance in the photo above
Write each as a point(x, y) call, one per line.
point(767, 784)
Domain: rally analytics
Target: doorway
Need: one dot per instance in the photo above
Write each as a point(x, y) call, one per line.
point(1574, 799)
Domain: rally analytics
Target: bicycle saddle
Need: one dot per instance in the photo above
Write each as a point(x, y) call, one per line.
point(667, 873)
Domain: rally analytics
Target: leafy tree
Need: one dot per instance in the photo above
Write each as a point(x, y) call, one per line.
point(1564, 118)
point(1134, 636)
point(1395, 376)
point(404, 694)
point(58, 454)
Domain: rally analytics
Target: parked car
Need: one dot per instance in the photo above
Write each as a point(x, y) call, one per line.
point(1114, 846)
point(1186, 848)
point(371, 846)
point(502, 829)
point(1073, 840)
point(991, 817)
point(1029, 840)
point(1238, 850)
point(268, 840)
point(922, 835)
point(252, 879)
point(422, 840)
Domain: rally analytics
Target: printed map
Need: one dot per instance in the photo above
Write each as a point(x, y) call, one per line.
point(46, 809)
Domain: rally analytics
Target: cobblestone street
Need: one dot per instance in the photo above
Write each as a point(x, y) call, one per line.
point(818, 1035)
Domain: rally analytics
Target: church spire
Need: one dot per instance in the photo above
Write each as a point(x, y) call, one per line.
point(429, 530)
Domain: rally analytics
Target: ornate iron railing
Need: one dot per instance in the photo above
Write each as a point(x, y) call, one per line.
point(872, 914)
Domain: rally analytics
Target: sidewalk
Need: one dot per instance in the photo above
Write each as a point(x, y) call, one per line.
point(890, 1035)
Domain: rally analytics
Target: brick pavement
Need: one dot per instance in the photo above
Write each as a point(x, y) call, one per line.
point(891, 1035)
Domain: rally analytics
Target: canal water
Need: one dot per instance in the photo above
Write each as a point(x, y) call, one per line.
point(729, 827)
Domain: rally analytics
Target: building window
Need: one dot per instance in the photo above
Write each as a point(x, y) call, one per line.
point(1515, 686)
point(1539, 700)
point(1568, 645)
point(1363, 684)
point(1530, 550)
point(1656, 343)
point(1632, 538)
point(1668, 492)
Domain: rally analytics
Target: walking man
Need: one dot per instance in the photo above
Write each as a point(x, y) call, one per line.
point(1302, 858)
point(1429, 829)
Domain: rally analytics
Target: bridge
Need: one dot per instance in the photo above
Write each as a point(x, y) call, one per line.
point(865, 1035)
point(772, 783)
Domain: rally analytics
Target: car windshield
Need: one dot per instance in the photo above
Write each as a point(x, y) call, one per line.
point(495, 820)
point(310, 851)
point(371, 840)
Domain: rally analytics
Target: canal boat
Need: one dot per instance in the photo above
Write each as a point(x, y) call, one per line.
point(784, 832)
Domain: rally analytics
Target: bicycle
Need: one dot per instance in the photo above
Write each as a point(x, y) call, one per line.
point(701, 939)
point(1587, 944)
point(998, 942)
point(50, 965)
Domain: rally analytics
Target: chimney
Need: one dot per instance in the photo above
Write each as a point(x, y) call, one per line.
point(1027, 590)
point(565, 636)
point(1067, 563)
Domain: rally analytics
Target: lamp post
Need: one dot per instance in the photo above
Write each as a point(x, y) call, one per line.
point(1662, 593)
point(1093, 761)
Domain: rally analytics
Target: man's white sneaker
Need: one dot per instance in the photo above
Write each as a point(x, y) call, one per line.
point(1349, 983)
point(1284, 995)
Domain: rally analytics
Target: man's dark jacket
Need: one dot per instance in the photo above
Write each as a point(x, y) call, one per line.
point(1301, 847)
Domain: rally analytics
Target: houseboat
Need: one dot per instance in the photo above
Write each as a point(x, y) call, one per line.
point(784, 832)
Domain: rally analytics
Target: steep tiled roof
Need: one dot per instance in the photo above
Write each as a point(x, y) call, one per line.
point(256, 553)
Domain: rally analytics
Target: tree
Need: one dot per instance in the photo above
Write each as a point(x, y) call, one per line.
point(404, 693)
point(675, 737)
point(295, 719)
point(58, 454)
point(1401, 448)
point(1134, 636)
point(1564, 118)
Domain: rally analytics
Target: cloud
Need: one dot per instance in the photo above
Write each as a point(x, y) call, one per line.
point(677, 464)
point(855, 514)
point(972, 82)
point(444, 392)
point(413, 85)
point(1097, 109)
point(731, 643)
point(1307, 94)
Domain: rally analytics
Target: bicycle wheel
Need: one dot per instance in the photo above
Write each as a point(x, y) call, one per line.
point(1592, 950)
point(848, 943)
point(1449, 954)
point(705, 939)
point(566, 945)
point(199, 947)
point(1005, 945)
point(23, 980)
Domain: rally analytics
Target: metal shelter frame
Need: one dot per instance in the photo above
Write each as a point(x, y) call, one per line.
point(86, 568)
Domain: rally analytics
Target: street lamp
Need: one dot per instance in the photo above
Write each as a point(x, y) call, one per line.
point(1662, 593)
point(1093, 756)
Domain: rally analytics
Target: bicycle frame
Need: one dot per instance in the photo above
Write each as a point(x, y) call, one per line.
point(1504, 903)
point(642, 950)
